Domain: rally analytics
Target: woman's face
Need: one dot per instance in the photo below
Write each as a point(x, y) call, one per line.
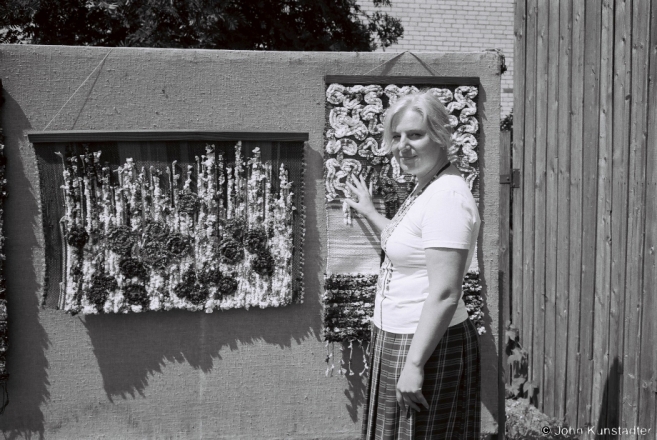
point(415, 151)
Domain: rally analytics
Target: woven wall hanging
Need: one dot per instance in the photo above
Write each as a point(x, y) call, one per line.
point(4, 339)
point(174, 225)
point(353, 145)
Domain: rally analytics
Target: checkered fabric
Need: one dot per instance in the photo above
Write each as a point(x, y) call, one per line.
point(451, 386)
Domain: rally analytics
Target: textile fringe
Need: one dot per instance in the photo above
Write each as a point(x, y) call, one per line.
point(302, 226)
point(366, 354)
point(345, 367)
point(343, 370)
point(351, 353)
point(330, 366)
point(346, 211)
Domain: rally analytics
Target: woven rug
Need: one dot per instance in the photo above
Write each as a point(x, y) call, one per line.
point(186, 172)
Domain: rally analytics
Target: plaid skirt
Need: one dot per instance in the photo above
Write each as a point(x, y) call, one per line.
point(451, 387)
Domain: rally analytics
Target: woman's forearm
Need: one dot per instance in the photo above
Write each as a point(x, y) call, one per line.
point(376, 219)
point(445, 269)
point(436, 316)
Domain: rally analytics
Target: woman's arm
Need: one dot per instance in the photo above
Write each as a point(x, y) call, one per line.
point(445, 268)
point(364, 205)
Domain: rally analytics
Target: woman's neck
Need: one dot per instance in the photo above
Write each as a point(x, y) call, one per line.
point(425, 179)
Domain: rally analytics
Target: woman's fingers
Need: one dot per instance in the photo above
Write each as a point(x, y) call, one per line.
point(358, 185)
point(357, 188)
point(359, 182)
point(411, 400)
point(411, 404)
point(419, 398)
point(401, 403)
point(364, 185)
point(362, 199)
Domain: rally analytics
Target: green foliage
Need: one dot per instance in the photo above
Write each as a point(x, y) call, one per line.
point(474, 302)
point(518, 385)
point(309, 25)
point(507, 122)
point(525, 422)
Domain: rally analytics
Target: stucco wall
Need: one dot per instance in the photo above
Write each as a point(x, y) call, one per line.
point(456, 26)
point(236, 374)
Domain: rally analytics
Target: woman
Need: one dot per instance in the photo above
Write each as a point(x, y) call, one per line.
point(424, 380)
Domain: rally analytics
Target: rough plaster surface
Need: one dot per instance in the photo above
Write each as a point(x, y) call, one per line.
point(238, 374)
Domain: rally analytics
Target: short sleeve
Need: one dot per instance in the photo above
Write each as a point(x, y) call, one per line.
point(449, 221)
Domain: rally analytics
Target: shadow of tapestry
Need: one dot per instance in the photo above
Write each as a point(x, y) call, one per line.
point(131, 348)
point(28, 384)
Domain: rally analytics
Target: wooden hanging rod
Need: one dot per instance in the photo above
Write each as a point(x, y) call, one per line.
point(161, 135)
point(420, 80)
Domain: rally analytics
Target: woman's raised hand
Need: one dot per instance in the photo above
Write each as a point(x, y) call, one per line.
point(363, 204)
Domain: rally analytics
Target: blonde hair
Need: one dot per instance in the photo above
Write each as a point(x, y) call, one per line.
point(434, 116)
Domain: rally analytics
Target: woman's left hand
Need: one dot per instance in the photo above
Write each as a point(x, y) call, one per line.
point(363, 203)
point(409, 389)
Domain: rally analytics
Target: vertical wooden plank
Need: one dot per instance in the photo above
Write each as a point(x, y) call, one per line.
point(575, 226)
point(589, 192)
point(504, 267)
point(538, 342)
point(505, 218)
point(519, 74)
point(636, 214)
point(648, 367)
point(551, 204)
point(528, 183)
point(563, 207)
point(601, 370)
point(620, 162)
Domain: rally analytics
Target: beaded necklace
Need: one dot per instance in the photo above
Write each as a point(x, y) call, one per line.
point(386, 269)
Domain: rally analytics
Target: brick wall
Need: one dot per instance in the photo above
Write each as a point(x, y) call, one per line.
point(457, 26)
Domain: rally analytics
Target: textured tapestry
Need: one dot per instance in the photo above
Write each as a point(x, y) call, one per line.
point(354, 146)
point(218, 227)
point(4, 374)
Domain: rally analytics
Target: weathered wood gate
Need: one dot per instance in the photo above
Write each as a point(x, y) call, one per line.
point(584, 217)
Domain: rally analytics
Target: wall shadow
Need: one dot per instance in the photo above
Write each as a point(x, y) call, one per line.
point(28, 341)
point(356, 376)
point(131, 348)
point(488, 347)
point(610, 406)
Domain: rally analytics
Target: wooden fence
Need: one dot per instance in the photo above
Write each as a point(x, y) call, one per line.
point(583, 277)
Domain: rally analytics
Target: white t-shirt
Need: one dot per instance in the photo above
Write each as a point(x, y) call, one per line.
point(445, 215)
